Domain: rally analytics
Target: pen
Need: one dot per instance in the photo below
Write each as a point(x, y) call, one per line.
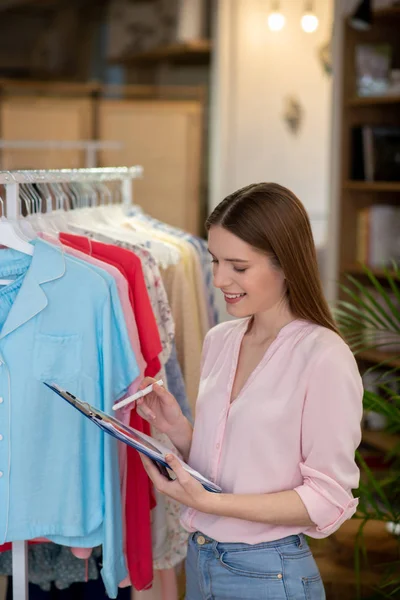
point(136, 396)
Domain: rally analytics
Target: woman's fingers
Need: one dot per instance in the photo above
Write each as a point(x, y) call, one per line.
point(145, 412)
point(163, 395)
point(146, 381)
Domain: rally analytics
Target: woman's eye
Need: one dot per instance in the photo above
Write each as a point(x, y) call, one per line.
point(214, 261)
point(239, 270)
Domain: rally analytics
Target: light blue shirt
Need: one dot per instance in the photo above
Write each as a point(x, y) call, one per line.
point(59, 476)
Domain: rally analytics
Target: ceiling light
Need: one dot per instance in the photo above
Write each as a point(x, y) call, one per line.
point(276, 20)
point(309, 20)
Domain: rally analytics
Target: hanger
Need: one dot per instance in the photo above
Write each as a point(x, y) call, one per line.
point(85, 198)
point(35, 217)
point(17, 224)
point(23, 223)
point(9, 237)
point(57, 217)
point(66, 204)
point(113, 212)
point(46, 218)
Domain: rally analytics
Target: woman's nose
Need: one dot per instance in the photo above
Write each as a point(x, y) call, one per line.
point(221, 278)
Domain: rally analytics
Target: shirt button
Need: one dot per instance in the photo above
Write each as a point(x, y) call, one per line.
point(218, 446)
point(1, 473)
point(1, 400)
point(1, 437)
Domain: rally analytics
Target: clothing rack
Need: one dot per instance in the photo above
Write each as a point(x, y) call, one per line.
point(12, 180)
point(90, 147)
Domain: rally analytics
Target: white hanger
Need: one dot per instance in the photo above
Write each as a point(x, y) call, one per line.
point(56, 217)
point(45, 219)
point(35, 217)
point(60, 215)
point(98, 213)
point(10, 238)
point(23, 223)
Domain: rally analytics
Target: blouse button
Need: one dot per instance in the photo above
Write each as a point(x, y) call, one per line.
point(218, 446)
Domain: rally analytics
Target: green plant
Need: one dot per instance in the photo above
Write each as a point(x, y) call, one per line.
point(370, 320)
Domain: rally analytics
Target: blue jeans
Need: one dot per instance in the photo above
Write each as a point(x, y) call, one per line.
point(280, 570)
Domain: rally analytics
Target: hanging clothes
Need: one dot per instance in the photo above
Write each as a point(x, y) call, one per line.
point(136, 519)
point(131, 267)
point(138, 497)
point(201, 248)
point(175, 549)
point(158, 305)
point(80, 341)
point(177, 279)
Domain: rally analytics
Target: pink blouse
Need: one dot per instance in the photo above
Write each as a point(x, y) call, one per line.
point(295, 425)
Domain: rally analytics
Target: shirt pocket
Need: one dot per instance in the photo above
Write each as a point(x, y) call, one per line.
point(57, 358)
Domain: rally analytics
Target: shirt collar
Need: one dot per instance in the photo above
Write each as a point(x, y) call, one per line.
point(47, 264)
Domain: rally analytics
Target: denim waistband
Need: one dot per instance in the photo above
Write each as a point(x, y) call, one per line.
point(296, 540)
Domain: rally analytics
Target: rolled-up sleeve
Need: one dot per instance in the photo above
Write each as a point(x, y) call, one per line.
point(331, 433)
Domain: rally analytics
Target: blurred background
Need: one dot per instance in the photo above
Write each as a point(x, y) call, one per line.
point(211, 95)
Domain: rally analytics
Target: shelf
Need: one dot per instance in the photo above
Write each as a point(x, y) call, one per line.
point(372, 186)
point(373, 100)
point(388, 11)
point(381, 440)
point(391, 359)
point(9, 5)
point(357, 269)
point(195, 51)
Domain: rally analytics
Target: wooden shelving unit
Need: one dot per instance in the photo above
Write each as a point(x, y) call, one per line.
point(174, 64)
point(389, 11)
point(7, 5)
point(358, 111)
point(373, 101)
point(372, 186)
point(358, 195)
point(195, 51)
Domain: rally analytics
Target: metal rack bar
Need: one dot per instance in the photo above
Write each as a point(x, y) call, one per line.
point(71, 175)
point(90, 147)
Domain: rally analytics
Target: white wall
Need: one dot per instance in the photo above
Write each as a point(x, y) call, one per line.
point(254, 71)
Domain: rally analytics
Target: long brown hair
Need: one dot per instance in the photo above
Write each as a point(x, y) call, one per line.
point(272, 219)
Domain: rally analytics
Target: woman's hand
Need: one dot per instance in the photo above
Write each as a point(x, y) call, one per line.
point(159, 408)
point(185, 489)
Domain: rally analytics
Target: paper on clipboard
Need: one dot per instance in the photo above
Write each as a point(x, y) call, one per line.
point(130, 436)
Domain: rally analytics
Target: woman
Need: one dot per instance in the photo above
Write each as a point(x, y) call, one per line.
point(278, 412)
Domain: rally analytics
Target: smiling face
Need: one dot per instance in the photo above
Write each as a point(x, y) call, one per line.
point(249, 280)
